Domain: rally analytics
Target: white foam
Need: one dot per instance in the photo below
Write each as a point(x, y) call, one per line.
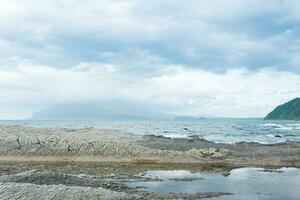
point(296, 126)
point(288, 127)
point(273, 125)
point(285, 128)
point(271, 135)
point(175, 135)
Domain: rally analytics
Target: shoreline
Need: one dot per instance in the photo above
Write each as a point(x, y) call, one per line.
point(28, 144)
point(95, 160)
point(64, 163)
point(118, 181)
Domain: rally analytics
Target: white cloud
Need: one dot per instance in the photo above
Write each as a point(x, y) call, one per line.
point(235, 93)
point(189, 91)
point(160, 52)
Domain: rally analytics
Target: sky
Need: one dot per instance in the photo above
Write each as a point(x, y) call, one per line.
point(233, 58)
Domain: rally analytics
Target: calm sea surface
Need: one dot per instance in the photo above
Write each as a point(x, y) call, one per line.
point(216, 130)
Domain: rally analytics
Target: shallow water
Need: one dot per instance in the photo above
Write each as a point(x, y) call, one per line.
point(245, 183)
point(216, 130)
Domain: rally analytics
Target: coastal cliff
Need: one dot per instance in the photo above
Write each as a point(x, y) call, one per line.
point(287, 111)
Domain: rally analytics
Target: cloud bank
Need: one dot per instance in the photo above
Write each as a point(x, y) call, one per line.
point(236, 93)
point(234, 58)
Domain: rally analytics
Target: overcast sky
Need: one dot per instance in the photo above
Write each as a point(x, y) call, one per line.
point(233, 58)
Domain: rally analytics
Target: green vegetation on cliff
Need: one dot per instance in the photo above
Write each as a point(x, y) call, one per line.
point(287, 111)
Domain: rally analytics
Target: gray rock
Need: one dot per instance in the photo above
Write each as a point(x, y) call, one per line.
point(27, 191)
point(89, 144)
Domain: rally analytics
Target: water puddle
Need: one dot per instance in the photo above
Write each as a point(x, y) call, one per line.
point(245, 183)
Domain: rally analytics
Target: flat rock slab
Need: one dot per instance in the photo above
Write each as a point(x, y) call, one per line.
point(90, 144)
point(27, 191)
point(22, 143)
point(32, 185)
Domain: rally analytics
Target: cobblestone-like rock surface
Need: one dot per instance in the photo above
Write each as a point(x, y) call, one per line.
point(90, 144)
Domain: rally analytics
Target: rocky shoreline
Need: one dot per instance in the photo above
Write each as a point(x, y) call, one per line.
point(89, 163)
point(43, 184)
point(20, 143)
point(71, 180)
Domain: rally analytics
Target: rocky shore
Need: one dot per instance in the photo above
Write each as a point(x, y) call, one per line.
point(90, 163)
point(20, 143)
point(54, 185)
point(89, 144)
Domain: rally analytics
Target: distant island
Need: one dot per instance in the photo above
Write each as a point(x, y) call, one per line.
point(193, 118)
point(108, 111)
point(287, 111)
point(102, 111)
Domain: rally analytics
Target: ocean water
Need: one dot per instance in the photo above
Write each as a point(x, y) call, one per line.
point(244, 183)
point(216, 130)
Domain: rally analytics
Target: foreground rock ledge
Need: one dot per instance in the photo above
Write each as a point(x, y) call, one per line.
point(20, 143)
point(52, 185)
point(25, 191)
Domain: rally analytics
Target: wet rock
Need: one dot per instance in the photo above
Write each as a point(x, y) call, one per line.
point(53, 178)
point(35, 184)
point(195, 196)
point(186, 179)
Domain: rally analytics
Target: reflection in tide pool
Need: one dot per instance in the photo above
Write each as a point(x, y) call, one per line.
point(245, 183)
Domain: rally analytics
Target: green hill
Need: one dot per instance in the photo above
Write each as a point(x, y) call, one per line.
point(287, 111)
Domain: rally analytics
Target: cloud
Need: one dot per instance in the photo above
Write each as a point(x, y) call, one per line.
point(216, 57)
point(176, 89)
point(211, 35)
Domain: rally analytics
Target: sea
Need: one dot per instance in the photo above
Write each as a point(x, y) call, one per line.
point(218, 130)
